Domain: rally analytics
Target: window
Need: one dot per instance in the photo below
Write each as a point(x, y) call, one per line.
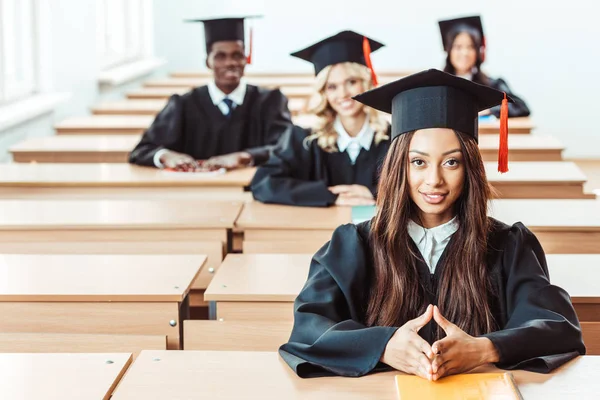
point(124, 31)
point(17, 50)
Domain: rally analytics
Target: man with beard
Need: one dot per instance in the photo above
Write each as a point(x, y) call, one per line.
point(227, 123)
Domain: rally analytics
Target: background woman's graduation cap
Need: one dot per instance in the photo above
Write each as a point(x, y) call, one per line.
point(435, 99)
point(346, 46)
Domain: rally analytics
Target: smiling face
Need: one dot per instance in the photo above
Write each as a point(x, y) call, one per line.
point(341, 85)
point(227, 60)
point(463, 54)
point(436, 174)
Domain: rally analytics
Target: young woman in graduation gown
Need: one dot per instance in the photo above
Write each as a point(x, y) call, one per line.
point(464, 43)
point(431, 285)
point(337, 162)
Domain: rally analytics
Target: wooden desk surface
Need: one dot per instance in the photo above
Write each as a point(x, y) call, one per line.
point(536, 173)
point(129, 107)
point(280, 277)
point(156, 93)
point(263, 375)
point(77, 143)
point(61, 376)
point(517, 125)
point(113, 175)
point(389, 74)
point(116, 214)
point(101, 123)
point(103, 278)
point(273, 216)
point(521, 142)
point(548, 214)
point(259, 277)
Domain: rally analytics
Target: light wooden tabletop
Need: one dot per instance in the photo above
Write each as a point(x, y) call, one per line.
point(116, 214)
point(61, 376)
point(521, 142)
point(148, 106)
point(114, 174)
point(263, 375)
point(536, 172)
point(113, 122)
point(83, 278)
point(514, 124)
point(549, 214)
point(260, 277)
point(156, 93)
point(280, 277)
point(77, 143)
point(273, 216)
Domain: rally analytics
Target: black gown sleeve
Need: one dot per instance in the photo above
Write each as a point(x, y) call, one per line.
point(286, 177)
point(542, 331)
point(517, 109)
point(166, 132)
point(328, 337)
point(277, 120)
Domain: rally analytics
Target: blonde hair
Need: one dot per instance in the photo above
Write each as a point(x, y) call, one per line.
point(323, 131)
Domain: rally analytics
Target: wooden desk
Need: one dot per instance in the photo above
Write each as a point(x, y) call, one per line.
point(61, 376)
point(119, 181)
point(141, 295)
point(519, 125)
point(562, 226)
point(207, 74)
point(522, 148)
point(154, 106)
point(104, 125)
point(235, 375)
point(130, 223)
point(156, 93)
point(263, 287)
point(75, 149)
point(538, 180)
point(129, 107)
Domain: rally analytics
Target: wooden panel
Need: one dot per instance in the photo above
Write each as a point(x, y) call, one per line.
point(567, 241)
point(103, 124)
point(88, 278)
point(255, 311)
point(61, 376)
point(591, 337)
point(587, 311)
point(79, 343)
point(520, 125)
point(279, 247)
point(510, 190)
point(107, 318)
point(235, 335)
point(129, 107)
point(227, 375)
point(280, 235)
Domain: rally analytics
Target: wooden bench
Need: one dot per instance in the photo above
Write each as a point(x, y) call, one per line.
point(75, 149)
point(235, 335)
point(104, 125)
point(79, 343)
point(47, 223)
point(119, 181)
point(100, 294)
point(236, 375)
point(28, 376)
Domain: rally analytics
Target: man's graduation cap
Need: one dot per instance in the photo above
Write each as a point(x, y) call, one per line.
point(346, 46)
point(226, 29)
point(435, 99)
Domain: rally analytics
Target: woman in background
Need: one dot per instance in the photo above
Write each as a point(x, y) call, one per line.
point(337, 161)
point(464, 42)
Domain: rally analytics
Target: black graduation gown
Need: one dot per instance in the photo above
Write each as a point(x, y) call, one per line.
point(517, 109)
point(299, 176)
point(193, 125)
point(539, 327)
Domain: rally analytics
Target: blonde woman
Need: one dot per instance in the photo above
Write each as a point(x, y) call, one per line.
point(337, 162)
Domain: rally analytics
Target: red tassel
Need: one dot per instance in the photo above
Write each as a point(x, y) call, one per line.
point(367, 54)
point(503, 148)
point(249, 56)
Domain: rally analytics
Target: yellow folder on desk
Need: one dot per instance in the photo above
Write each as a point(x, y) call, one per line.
point(491, 386)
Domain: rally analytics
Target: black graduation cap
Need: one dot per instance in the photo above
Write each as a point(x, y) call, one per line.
point(223, 29)
point(461, 24)
point(436, 99)
point(346, 46)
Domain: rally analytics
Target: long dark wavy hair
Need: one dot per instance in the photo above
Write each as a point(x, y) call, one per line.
point(395, 294)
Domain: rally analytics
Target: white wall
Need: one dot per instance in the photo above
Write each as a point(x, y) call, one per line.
point(67, 35)
point(546, 50)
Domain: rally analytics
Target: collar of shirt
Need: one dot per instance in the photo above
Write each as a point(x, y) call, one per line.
point(364, 137)
point(439, 233)
point(468, 77)
point(237, 96)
